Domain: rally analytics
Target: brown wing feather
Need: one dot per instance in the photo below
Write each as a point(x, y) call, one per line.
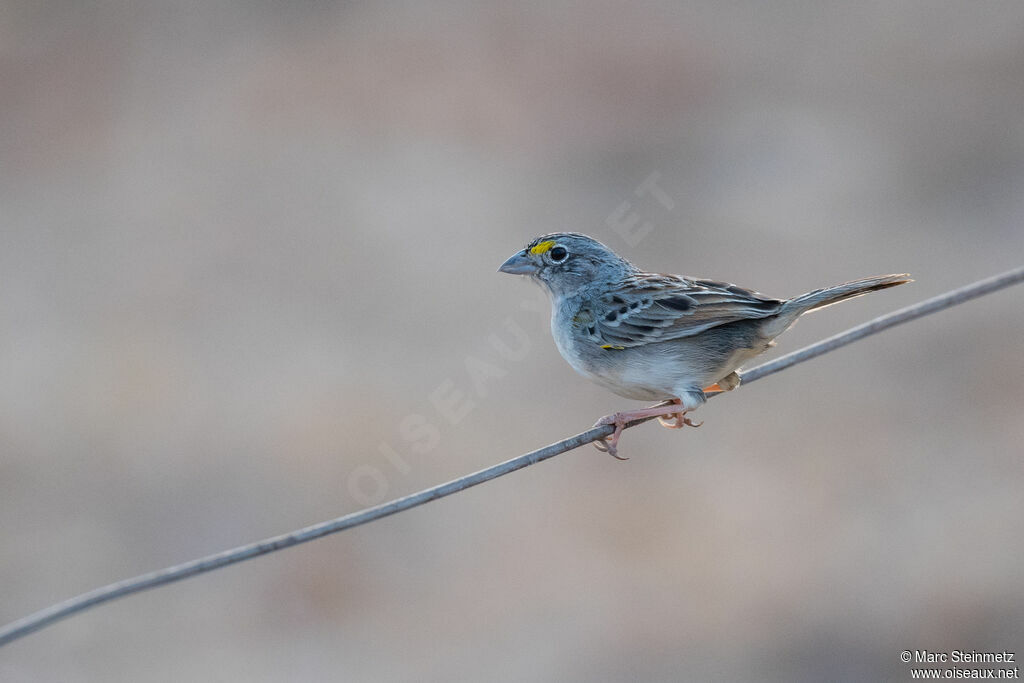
point(663, 307)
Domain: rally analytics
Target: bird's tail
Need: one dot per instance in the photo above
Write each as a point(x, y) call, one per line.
point(820, 298)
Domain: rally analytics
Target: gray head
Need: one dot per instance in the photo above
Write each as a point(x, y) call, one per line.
point(567, 262)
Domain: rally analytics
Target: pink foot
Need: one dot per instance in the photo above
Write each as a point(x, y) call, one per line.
point(677, 421)
point(610, 444)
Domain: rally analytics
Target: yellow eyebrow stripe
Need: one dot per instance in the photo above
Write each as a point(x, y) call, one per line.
point(543, 247)
point(613, 348)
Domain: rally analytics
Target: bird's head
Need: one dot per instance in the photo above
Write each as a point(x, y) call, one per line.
point(567, 262)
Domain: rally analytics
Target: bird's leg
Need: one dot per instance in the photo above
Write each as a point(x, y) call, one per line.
point(610, 444)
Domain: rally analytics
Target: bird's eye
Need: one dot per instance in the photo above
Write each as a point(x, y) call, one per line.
point(558, 254)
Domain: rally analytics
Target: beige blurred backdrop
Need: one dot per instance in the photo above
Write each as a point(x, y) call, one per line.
point(247, 283)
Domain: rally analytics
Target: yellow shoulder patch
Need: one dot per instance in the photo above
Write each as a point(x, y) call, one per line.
point(613, 348)
point(543, 247)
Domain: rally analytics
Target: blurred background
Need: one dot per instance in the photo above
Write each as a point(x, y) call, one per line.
point(247, 283)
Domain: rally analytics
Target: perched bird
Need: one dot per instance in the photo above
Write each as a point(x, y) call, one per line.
point(654, 337)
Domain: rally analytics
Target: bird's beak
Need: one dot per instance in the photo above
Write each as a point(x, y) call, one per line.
point(518, 264)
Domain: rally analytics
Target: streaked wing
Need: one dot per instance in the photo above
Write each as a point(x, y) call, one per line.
point(663, 307)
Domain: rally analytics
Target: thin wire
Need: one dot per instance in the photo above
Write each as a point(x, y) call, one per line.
point(62, 610)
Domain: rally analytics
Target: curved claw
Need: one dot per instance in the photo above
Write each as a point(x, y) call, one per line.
point(673, 421)
point(609, 444)
point(605, 445)
point(677, 421)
